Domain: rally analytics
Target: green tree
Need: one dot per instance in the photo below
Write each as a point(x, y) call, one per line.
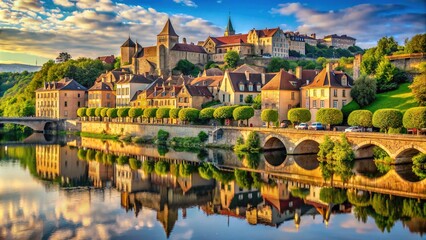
point(189, 114)
point(293, 53)
point(276, 64)
point(163, 112)
point(185, 169)
point(121, 160)
point(162, 136)
point(321, 61)
point(81, 112)
point(387, 118)
point(386, 46)
point(98, 111)
point(148, 166)
point(243, 178)
point(64, 56)
point(207, 113)
point(257, 102)
point(112, 113)
point(162, 167)
point(117, 63)
point(419, 165)
point(385, 76)
point(417, 44)
point(104, 112)
point(298, 115)
point(174, 113)
point(90, 112)
point(364, 90)
point(150, 113)
point(362, 118)
point(224, 112)
point(418, 87)
point(348, 108)
point(135, 164)
point(329, 116)
point(231, 59)
point(243, 113)
point(203, 136)
point(269, 115)
point(369, 62)
point(415, 118)
point(187, 68)
point(326, 149)
point(123, 112)
point(248, 99)
point(135, 112)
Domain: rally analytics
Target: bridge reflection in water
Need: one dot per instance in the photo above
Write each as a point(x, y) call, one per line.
point(282, 188)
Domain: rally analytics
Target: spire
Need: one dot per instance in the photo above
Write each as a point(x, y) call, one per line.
point(229, 28)
point(128, 43)
point(168, 29)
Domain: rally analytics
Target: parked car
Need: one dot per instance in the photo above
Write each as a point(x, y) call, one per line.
point(266, 55)
point(285, 123)
point(353, 129)
point(316, 126)
point(302, 126)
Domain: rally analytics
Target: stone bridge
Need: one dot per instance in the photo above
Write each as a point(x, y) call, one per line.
point(35, 123)
point(399, 147)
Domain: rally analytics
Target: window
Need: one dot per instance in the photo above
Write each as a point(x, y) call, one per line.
point(223, 98)
point(65, 94)
point(240, 197)
point(314, 103)
point(321, 103)
point(344, 80)
point(241, 98)
point(66, 113)
point(250, 195)
point(292, 95)
point(66, 104)
point(343, 103)
point(78, 104)
point(241, 87)
point(335, 92)
point(322, 92)
point(335, 104)
point(315, 93)
point(258, 87)
point(307, 93)
point(108, 96)
point(250, 87)
point(78, 95)
point(343, 93)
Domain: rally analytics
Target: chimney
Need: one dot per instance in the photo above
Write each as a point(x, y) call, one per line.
point(329, 67)
point(307, 82)
point(290, 71)
point(262, 75)
point(247, 75)
point(299, 70)
point(184, 40)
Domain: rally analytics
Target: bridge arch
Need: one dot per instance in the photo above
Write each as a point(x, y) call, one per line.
point(274, 142)
point(306, 145)
point(50, 126)
point(365, 149)
point(406, 153)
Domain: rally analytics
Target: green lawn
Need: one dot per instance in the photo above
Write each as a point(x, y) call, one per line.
point(401, 99)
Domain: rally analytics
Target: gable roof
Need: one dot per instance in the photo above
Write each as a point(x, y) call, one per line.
point(128, 43)
point(134, 78)
point(63, 84)
point(168, 29)
point(237, 79)
point(251, 69)
point(102, 86)
point(188, 48)
point(212, 72)
point(233, 39)
point(210, 81)
point(198, 91)
point(283, 81)
point(266, 32)
point(107, 59)
point(330, 78)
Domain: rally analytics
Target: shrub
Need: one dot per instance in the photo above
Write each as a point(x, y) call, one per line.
point(143, 139)
point(209, 104)
point(364, 91)
point(333, 195)
point(112, 113)
point(205, 171)
point(224, 112)
point(81, 112)
point(135, 164)
point(90, 112)
point(348, 108)
point(174, 113)
point(415, 118)
point(362, 118)
point(148, 166)
point(269, 115)
point(203, 136)
point(111, 159)
point(162, 112)
point(90, 155)
point(98, 111)
point(257, 102)
point(298, 115)
point(243, 178)
point(161, 167)
point(98, 157)
point(419, 165)
point(104, 112)
point(207, 113)
point(418, 87)
point(329, 116)
point(150, 113)
point(387, 118)
point(251, 145)
point(121, 160)
point(123, 112)
point(326, 149)
point(231, 58)
point(189, 114)
point(243, 113)
point(81, 154)
point(135, 112)
point(185, 170)
point(248, 99)
point(162, 135)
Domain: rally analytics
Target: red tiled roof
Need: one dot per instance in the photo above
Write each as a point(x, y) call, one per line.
point(211, 81)
point(102, 86)
point(107, 59)
point(233, 39)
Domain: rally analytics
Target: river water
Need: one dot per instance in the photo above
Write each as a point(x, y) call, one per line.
point(93, 189)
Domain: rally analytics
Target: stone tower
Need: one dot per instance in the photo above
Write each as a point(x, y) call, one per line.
point(229, 28)
point(127, 51)
point(166, 39)
point(357, 66)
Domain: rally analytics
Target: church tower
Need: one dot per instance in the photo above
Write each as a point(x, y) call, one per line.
point(166, 39)
point(127, 50)
point(229, 28)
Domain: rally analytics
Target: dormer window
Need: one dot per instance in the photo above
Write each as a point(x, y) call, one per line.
point(344, 81)
point(250, 87)
point(241, 87)
point(258, 87)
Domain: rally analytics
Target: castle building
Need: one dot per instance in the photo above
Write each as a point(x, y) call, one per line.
point(296, 41)
point(163, 57)
point(60, 99)
point(337, 41)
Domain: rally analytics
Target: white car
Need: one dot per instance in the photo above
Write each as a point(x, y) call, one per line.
point(353, 129)
point(302, 126)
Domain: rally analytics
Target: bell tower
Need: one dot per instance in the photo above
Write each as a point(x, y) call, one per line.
point(229, 28)
point(166, 39)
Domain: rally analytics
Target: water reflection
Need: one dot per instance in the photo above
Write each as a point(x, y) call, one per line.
point(159, 193)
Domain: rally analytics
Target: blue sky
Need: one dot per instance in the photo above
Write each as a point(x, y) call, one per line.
point(33, 30)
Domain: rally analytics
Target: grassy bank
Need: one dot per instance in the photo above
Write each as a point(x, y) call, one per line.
point(401, 99)
point(102, 136)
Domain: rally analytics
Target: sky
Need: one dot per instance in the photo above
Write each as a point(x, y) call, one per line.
point(38, 30)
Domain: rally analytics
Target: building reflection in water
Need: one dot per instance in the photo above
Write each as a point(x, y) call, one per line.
point(273, 202)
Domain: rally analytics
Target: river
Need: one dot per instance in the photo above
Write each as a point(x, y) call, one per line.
point(81, 188)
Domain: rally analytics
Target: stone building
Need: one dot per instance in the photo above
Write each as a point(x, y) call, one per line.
point(191, 96)
point(337, 41)
point(329, 89)
point(211, 82)
point(296, 42)
point(60, 99)
point(102, 94)
point(163, 57)
point(128, 85)
point(357, 66)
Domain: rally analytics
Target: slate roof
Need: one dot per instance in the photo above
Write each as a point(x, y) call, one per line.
point(283, 81)
point(188, 48)
point(254, 78)
point(63, 84)
point(198, 91)
point(212, 72)
point(168, 29)
point(330, 79)
point(210, 81)
point(102, 86)
point(128, 43)
point(134, 78)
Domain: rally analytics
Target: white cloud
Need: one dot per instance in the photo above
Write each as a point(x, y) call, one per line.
point(187, 3)
point(366, 22)
point(28, 5)
point(98, 5)
point(64, 3)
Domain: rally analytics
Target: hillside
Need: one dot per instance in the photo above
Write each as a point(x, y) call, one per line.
point(15, 67)
point(401, 99)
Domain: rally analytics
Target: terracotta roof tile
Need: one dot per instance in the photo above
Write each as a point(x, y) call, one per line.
point(211, 81)
point(102, 86)
point(283, 81)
